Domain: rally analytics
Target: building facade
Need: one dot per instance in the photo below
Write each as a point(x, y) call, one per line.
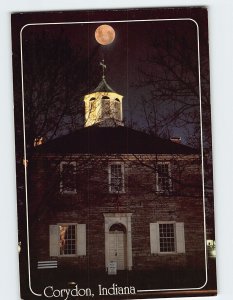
point(110, 194)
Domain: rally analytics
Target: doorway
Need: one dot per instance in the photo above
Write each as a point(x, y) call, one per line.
point(117, 245)
point(118, 240)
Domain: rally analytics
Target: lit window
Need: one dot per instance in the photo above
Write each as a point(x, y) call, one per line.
point(92, 109)
point(167, 237)
point(163, 177)
point(67, 239)
point(105, 106)
point(117, 109)
point(68, 177)
point(116, 178)
point(67, 242)
point(92, 105)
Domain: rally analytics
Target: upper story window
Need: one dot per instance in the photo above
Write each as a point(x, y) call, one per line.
point(68, 177)
point(116, 178)
point(163, 177)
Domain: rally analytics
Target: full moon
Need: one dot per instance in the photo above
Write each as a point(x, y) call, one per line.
point(105, 34)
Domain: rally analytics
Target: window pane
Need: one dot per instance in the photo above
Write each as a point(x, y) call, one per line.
point(163, 177)
point(67, 239)
point(167, 237)
point(116, 183)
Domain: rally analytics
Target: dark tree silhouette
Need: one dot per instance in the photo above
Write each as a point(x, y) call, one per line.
point(178, 96)
point(54, 77)
point(171, 74)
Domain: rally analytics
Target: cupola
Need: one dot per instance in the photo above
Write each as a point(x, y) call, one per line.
point(103, 106)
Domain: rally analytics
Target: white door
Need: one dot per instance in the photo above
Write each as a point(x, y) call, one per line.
point(117, 248)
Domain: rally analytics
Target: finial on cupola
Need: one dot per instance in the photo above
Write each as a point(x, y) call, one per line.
point(103, 67)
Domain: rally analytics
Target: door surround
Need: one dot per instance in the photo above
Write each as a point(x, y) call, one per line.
point(125, 219)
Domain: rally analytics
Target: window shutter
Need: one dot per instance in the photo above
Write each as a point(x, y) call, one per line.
point(81, 239)
point(154, 238)
point(53, 240)
point(180, 240)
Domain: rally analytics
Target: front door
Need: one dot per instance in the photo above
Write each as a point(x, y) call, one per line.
point(118, 241)
point(117, 248)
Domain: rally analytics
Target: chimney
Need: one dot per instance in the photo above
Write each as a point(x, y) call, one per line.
point(38, 141)
point(176, 139)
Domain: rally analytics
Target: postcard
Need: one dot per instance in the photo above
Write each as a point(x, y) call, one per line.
point(113, 154)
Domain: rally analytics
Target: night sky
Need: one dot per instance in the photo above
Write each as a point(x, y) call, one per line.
point(129, 58)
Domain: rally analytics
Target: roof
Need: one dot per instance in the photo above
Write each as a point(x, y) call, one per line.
point(103, 87)
point(112, 140)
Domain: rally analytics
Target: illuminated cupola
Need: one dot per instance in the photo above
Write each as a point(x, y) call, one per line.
point(103, 106)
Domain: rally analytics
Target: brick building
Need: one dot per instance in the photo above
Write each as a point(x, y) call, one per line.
point(109, 193)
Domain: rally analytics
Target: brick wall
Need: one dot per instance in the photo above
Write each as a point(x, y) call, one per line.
point(47, 205)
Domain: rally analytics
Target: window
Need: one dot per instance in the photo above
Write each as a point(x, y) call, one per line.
point(105, 107)
point(93, 111)
point(163, 177)
point(68, 177)
point(67, 239)
point(117, 109)
point(92, 106)
point(116, 178)
point(167, 237)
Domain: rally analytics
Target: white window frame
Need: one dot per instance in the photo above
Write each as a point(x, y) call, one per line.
point(80, 240)
point(110, 178)
point(169, 178)
point(62, 190)
point(179, 238)
point(175, 240)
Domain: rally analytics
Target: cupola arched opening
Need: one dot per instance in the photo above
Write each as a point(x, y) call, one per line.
point(105, 98)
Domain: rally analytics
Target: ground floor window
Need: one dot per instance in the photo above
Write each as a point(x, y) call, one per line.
point(67, 239)
point(167, 237)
